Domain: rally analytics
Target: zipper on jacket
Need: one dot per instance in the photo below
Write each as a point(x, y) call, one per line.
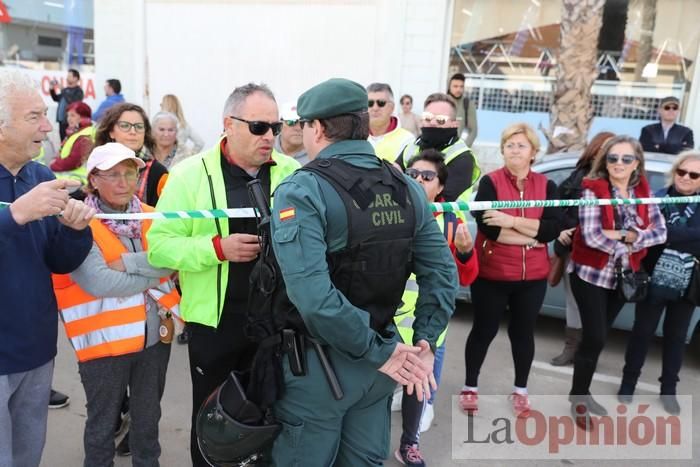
point(522, 214)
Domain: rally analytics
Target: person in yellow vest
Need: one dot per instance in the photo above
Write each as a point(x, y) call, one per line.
point(429, 170)
point(117, 311)
point(70, 162)
point(385, 132)
point(439, 131)
point(214, 257)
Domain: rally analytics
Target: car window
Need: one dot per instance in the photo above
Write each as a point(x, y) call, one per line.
point(558, 175)
point(657, 180)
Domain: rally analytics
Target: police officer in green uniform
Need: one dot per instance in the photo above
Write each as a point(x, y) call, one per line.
point(348, 229)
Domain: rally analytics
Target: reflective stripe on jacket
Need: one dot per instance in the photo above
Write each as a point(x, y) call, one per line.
point(108, 326)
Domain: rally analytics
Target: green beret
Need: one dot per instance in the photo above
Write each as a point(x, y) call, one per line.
point(337, 96)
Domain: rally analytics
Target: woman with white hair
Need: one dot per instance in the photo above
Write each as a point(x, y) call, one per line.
point(671, 266)
point(166, 149)
point(171, 103)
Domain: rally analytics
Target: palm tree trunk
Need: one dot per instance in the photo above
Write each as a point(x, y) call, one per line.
point(646, 37)
point(572, 112)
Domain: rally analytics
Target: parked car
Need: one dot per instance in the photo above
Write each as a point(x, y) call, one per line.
point(557, 167)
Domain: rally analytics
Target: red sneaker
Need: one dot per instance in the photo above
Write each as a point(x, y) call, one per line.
point(469, 402)
point(521, 404)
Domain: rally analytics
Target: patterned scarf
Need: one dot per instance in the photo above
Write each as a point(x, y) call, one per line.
point(120, 228)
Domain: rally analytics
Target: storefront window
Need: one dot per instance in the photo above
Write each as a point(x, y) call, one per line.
point(46, 38)
point(508, 49)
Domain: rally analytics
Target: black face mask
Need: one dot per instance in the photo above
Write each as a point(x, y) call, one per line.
point(433, 137)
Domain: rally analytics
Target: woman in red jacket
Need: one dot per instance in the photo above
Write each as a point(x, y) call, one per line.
point(606, 239)
point(513, 263)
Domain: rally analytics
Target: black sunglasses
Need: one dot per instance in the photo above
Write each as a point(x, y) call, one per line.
point(682, 173)
point(627, 159)
point(380, 103)
point(303, 121)
point(427, 175)
point(670, 107)
point(259, 128)
point(291, 122)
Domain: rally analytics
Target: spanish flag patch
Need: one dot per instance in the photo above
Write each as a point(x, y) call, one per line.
point(287, 214)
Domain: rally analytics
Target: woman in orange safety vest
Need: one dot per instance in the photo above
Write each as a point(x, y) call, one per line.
point(117, 311)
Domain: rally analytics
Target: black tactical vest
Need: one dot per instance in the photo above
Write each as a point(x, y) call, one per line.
point(371, 271)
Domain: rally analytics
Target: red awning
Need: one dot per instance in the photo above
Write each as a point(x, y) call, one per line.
point(4, 15)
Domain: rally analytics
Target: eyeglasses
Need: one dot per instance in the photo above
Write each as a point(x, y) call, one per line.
point(670, 107)
point(127, 126)
point(427, 175)
point(439, 119)
point(303, 121)
point(291, 122)
point(259, 128)
point(682, 173)
point(113, 177)
point(380, 103)
point(626, 159)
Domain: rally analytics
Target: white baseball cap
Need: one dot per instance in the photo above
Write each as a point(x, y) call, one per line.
point(288, 111)
point(108, 155)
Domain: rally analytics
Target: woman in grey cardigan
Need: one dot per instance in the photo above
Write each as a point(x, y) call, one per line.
point(115, 309)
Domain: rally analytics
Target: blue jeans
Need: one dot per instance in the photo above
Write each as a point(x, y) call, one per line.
point(24, 408)
point(437, 369)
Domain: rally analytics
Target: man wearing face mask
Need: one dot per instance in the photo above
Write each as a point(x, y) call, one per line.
point(439, 130)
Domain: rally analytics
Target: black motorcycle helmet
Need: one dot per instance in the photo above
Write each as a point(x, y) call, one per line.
point(231, 430)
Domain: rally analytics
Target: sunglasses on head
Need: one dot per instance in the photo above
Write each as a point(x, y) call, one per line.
point(380, 103)
point(626, 159)
point(439, 119)
point(291, 122)
point(427, 175)
point(670, 107)
point(682, 173)
point(259, 128)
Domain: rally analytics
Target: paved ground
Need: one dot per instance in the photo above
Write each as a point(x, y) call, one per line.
point(64, 445)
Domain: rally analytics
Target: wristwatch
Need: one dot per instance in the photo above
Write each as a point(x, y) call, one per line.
point(623, 236)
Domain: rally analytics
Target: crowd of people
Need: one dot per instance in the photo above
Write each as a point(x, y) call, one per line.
point(356, 246)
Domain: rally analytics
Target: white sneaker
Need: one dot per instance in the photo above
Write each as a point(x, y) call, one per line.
point(426, 420)
point(396, 401)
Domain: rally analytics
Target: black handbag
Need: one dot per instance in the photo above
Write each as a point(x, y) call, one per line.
point(693, 292)
point(632, 286)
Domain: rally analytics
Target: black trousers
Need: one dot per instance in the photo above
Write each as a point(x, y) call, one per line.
point(646, 319)
point(490, 299)
point(598, 308)
point(213, 354)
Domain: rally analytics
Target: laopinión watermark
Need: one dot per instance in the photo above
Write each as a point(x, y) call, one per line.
point(641, 429)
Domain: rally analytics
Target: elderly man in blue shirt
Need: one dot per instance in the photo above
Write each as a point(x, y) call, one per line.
point(34, 243)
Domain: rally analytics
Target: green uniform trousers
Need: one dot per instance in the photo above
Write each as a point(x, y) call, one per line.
point(319, 431)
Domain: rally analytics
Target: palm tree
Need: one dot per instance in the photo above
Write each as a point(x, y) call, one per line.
point(646, 37)
point(571, 112)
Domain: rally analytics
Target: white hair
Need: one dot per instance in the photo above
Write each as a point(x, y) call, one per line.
point(167, 116)
point(12, 82)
